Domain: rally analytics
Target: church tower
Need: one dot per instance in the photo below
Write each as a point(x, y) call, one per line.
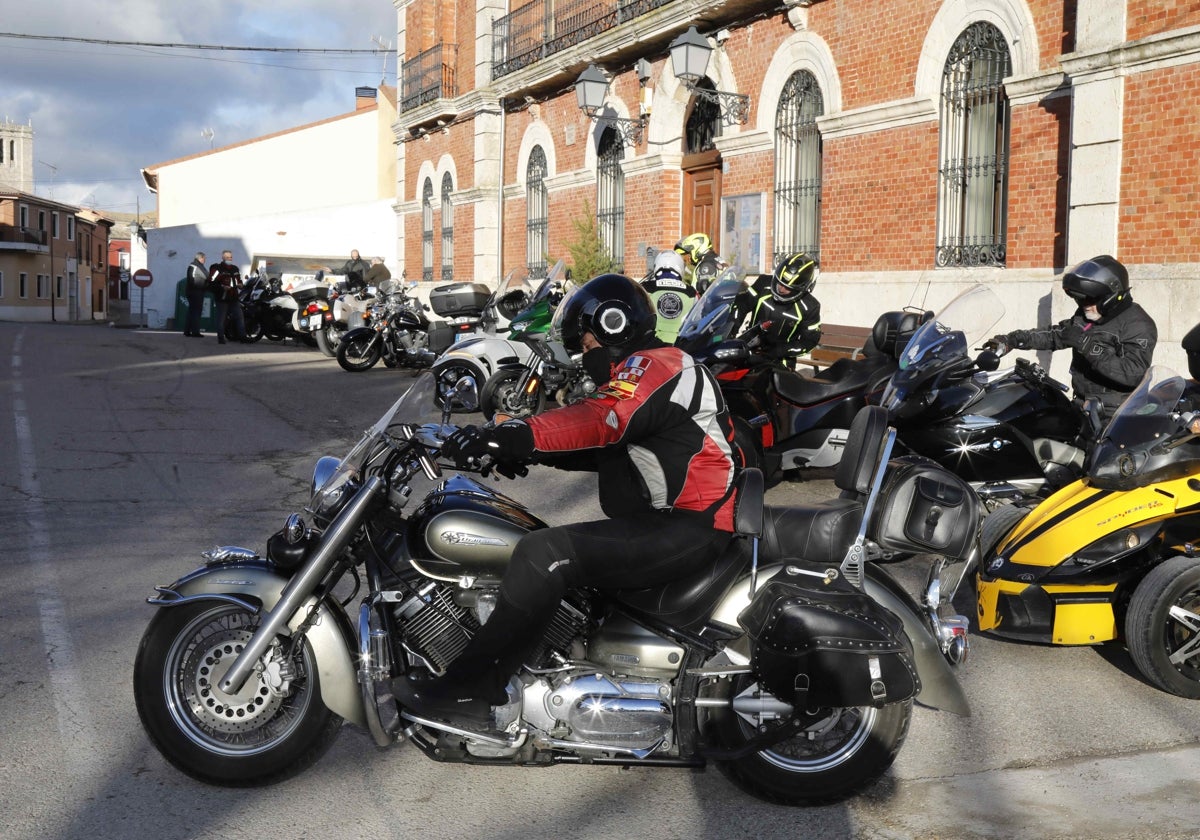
point(16, 156)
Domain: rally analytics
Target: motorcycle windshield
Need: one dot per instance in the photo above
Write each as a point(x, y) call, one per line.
point(944, 342)
point(537, 317)
point(1137, 446)
point(711, 318)
point(417, 407)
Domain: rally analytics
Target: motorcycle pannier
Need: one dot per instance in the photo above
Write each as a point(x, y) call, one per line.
point(924, 509)
point(455, 300)
point(817, 641)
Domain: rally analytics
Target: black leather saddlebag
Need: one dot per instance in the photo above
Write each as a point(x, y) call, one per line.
point(817, 641)
point(925, 509)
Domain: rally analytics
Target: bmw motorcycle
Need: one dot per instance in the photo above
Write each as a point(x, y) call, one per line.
point(271, 311)
point(784, 420)
point(1112, 556)
point(791, 663)
point(1012, 434)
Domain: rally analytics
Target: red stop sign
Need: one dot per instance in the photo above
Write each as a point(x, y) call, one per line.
point(142, 278)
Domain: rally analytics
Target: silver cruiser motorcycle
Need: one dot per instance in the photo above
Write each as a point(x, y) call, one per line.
point(791, 664)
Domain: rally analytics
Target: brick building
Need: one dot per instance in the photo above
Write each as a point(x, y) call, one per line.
point(916, 146)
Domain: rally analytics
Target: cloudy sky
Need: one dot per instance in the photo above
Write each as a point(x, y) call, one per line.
point(101, 113)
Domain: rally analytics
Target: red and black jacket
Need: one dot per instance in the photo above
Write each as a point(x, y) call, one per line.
point(660, 433)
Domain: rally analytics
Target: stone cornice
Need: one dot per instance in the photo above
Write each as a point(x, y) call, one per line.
point(1152, 53)
point(1029, 90)
point(745, 143)
point(878, 118)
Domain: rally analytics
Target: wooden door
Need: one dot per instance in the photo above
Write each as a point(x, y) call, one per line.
point(702, 196)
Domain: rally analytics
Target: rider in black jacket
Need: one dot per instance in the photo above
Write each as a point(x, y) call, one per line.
point(1111, 338)
point(785, 318)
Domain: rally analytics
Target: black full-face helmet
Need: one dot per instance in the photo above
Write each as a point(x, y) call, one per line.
point(614, 309)
point(795, 275)
point(1101, 281)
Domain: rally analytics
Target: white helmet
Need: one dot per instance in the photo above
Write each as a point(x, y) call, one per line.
point(668, 259)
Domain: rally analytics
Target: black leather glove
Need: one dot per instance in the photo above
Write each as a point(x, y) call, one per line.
point(1073, 336)
point(1017, 339)
point(998, 344)
point(468, 444)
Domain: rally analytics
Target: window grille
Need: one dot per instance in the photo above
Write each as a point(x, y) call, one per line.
point(703, 123)
point(427, 231)
point(972, 215)
point(610, 195)
point(447, 229)
point(537, 213)
point(798, 161)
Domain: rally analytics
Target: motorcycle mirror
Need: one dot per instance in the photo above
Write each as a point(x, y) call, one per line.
point(988, 361)
point(463, 397)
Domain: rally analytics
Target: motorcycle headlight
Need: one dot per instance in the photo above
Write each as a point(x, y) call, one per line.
point(1107, 549)
point(331, 493)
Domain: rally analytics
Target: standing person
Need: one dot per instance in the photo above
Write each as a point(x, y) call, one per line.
point(785, 318)
point(671, 294)
point(195, 287)
point(1111, 338)
point(355, 270)
point(377, 274)
point(227, 283)
point(659, 436)
point(706, 262)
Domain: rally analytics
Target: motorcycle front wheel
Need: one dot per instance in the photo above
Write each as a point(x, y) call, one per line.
point(1162, 628)
point(501, 394)
point(254, 329)
point(359, 353)
point(836, 753)
point(272, 729)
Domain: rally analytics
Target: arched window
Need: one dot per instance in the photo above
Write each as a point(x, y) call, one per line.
point(972, 215)
point(610, 195)
point(447, 229)
point(537, 213)
point(703, 122)
point(798, 167)
point(427, 230)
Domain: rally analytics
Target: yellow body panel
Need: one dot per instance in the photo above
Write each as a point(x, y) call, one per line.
point(1083, 624)
point(1105, 514)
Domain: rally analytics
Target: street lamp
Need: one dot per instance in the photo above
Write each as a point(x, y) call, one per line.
point(591, 89)
point(690, 53)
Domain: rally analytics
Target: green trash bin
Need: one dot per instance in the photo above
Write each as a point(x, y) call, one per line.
point(207, 314)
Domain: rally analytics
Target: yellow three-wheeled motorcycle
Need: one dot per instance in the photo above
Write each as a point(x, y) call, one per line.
point(1113, 555)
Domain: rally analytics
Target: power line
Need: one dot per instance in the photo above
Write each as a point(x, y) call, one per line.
point(178, 46)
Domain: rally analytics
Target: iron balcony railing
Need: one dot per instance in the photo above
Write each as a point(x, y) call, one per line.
point(544, 27)
point(22, 235)
point(429, 76)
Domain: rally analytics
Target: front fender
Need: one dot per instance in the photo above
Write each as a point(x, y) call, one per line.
point(331, 636)
point(939, 686)
point(357, 333)
point(487, 351)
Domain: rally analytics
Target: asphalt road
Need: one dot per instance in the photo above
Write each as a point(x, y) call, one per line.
point(126, 452)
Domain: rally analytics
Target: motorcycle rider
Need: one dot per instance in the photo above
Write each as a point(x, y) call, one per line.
point(785, 317)
point(706, 263)
point(1191, 346)
point(355, 270)
point(660, 437)
point(1111, 338)
point(670, 293)
point(227, 285)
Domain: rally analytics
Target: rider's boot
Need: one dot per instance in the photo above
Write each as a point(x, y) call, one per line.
point(477, 679)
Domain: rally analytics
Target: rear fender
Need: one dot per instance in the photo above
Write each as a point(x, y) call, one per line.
point(939, 686)
point(331, 636)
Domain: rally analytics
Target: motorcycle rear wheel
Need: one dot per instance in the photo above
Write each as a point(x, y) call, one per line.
point(838, 753)
point(328, 340)
point(358, 354)
point(271, 730)
point(254, 330)
point(1161, 626)
point(500, 394)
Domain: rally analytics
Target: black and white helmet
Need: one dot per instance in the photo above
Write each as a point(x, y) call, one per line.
point(617, 311)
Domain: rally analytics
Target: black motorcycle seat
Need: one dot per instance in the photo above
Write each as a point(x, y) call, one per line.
point(842, 377)
point(819, 532)
point(687, 602)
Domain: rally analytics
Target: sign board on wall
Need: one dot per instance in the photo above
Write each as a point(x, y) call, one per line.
point(741, 232)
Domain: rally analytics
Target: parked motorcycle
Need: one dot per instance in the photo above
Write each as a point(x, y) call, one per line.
point(347, 308)
point(481, 355)
point(795, 676)
point(402, 335)
point(1011, 434)
point(271, 311)
point(1112, 556)
point(786, 420)
point(521, 389)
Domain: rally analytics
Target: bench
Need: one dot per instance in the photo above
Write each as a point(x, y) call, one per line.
point(838, 341)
